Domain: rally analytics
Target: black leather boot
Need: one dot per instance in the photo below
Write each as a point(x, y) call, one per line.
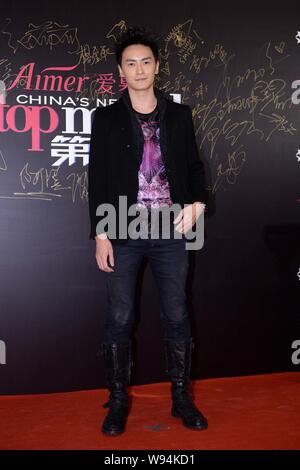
point(118, 363)
point(178, 360)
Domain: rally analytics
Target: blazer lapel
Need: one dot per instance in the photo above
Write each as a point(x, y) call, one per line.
point(170, 124)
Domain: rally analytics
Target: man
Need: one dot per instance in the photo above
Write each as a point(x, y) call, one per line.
point(143, 147)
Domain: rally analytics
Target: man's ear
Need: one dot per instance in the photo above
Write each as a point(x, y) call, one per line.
point(157, 68)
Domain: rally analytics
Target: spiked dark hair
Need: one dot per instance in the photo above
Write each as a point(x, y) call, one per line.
point(135, 35)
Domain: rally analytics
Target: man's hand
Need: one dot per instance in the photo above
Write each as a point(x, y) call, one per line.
point(188, 217)
point(104, 253)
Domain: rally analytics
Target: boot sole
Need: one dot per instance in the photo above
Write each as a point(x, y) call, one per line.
point(112, 433)
point(195, 428)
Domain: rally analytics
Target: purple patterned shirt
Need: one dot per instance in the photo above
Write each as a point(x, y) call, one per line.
point(153, 183)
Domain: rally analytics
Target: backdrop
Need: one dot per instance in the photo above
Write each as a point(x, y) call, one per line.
point(239, 70)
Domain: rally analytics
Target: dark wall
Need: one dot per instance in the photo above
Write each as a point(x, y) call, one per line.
point(235, 67)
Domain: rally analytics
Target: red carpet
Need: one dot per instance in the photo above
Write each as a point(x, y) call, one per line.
point(256, 412)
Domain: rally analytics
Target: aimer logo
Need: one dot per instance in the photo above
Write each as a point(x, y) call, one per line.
point(2, 352)
point(296, 354)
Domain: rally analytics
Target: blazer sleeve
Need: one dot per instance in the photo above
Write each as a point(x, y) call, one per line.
point(97, 181)
point(197, 178)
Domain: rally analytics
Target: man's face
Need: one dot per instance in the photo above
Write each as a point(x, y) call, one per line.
point(138, 67)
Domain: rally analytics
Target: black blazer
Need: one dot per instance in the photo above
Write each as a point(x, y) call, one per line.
point(113, 163)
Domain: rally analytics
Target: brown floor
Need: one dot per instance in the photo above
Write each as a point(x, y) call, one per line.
point(255, 412)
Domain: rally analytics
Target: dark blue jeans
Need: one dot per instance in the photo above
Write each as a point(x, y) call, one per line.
point(168, 260)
